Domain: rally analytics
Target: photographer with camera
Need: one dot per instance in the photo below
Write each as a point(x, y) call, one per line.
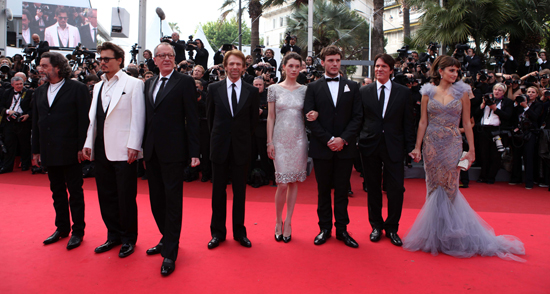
point(201, 56)
point(431, 55)
point(495, 114)
point(268, 58)
point(15, 108)
point(472, 62)
point(150, 62)
point(542, 61)
point(527, 111)
point(38, 48)
point(218, 56)
point(5, 70)
point(289, 46)
point(179, 45)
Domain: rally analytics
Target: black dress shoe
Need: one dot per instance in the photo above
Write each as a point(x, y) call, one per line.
point(55, 237)
point(110, 244)
point(215, 242)
point(278, 238)
point(375, 235)
point(287, 239)
point(168, 267)
point(243, 241)
point(154, 250)
point(5, 170)
point(126, 250)
point(74, 242)
point(348, 240)
point(481, 180)
point(24, 168)
point(322, 237)
point(395, 240)
point(205, 179)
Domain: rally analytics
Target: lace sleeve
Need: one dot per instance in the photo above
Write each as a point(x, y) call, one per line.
point(459, 88)
point(271, 94)
point(428, 89)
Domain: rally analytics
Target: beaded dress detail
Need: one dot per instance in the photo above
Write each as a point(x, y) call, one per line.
point(446, 222)
point(289, 134)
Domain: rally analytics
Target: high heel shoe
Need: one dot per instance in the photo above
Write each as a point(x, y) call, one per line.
point(287, 239)
point(278, 238)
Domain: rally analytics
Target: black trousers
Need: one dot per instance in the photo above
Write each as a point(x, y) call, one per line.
point(63, 178)
point(394, 181)
point(166, 195)
point(220, 177)
point(117, 190)
point(526, 151)
point(17, 134)
point(491, 157)
point(331, 173)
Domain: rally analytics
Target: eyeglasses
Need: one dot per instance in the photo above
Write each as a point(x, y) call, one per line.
point(62, 17)
point(105, 59)
point(163, 56)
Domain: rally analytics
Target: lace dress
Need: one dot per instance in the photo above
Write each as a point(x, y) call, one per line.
point(289, 134)
point(446, 222)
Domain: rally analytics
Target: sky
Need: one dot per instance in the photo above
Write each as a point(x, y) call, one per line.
point(187, 13)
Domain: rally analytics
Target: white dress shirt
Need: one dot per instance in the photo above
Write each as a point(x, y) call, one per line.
point(26, 34)
point(387, 92)
point(238, 87)
point(108, 88)
point(159, 82)
point(15, 104)
point(333, 87)
point(489, 116)
point(53, 89)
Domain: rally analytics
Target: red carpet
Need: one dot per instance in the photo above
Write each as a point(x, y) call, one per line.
point(27, 266)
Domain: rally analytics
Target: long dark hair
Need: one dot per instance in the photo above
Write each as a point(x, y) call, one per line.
point(59, 61)
point(441, 62)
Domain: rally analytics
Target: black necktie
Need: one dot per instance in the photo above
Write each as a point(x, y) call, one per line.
point(382, 99)
point(161, 87)
point(234, 99)
point(336, 79)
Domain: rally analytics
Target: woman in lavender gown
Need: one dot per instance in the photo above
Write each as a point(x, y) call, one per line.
point(446, 222)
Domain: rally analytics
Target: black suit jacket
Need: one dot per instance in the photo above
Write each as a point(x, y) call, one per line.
point(152, 66)
point(172, 121)
point(86, 37)
point(59, 131)
point(41, 47)
point(227, 131)
point(397, 124)
point(342, 121)
point(7, 98)
point(179, 47)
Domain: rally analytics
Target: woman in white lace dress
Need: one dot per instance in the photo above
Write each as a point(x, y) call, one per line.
point(287, 141)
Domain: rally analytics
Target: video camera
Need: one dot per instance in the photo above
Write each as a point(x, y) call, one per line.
point(258, 52)
point(404, 52)
point(288, 37)
point(134, 51)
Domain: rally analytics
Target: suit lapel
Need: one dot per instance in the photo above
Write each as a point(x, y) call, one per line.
point(174, 79)
point(243, 98)
point(117, 93)
point(222, 91)
point(341, 85)
point(152, 90)
point(61, 92)
point(393, 94)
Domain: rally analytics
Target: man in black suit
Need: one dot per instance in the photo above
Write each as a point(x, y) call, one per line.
point(171, 139)
point(269, 58)
point(88, 32)
point(148, 55)
point(40, 46)
point(59, 125)
point(15, 109)
point(179, 46)
point(332, 143)
point(388, 129)
point(290, 46)
point(232, 114)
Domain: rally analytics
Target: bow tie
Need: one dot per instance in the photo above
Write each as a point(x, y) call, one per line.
point(336, 79)
point(16, 93)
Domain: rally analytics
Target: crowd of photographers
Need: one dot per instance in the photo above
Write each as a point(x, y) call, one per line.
point(510, 105)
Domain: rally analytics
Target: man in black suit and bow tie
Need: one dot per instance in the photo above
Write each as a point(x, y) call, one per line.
point(332, 144)
point(232, 114)
point(388, 130)
point(59, 125)
point(171, 139)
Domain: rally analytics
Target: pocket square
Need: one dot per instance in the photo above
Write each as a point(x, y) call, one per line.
point(346, 89)
point(123, 93)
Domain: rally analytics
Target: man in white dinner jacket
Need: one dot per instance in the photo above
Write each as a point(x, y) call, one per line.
point(62, 34)
point(115, 133)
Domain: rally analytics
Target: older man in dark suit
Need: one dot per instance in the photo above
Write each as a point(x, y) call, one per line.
point(171, 139)
point(388, 130)
point(232, 114)
point(60, 121)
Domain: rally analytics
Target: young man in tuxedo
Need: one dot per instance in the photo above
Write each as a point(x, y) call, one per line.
point(332, 144)
point(59, 125)
point(117, 121)
point(232, 112)
point(171, 139)
point(387, 131)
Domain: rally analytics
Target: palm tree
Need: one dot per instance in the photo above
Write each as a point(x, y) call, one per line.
point(377, 40)
point(296, 3)
point(254, 12)
point(332, 24)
